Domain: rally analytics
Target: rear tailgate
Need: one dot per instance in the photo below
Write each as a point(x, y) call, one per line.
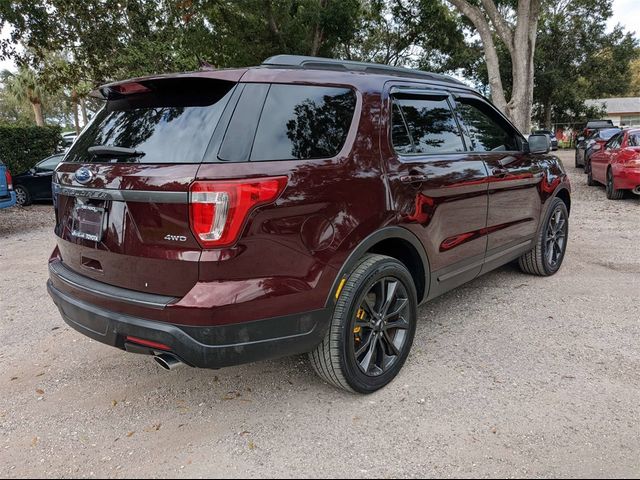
point(124, 219)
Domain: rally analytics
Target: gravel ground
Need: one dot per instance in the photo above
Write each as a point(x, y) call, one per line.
point(510, 375)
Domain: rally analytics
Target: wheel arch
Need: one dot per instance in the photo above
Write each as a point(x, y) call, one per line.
point(395, 242)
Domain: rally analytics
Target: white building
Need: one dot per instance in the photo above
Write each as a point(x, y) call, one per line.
point(624, 112)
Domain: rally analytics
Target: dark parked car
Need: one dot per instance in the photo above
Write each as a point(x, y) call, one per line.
point(7, 195)
point(584, 148)
point(551, 135)
point(307, 205)
point(593, 126)
point(36, 183)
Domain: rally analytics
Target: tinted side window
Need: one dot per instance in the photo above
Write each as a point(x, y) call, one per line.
point(634, 140)
point(432, 126)
point(399, 134)
point(50, 163)
point(614, 142)
point(487, 131)
point(303, 122)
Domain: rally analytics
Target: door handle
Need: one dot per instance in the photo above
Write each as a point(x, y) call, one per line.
point(414, 177)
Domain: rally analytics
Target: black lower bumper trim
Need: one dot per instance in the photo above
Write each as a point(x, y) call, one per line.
point(203, 347)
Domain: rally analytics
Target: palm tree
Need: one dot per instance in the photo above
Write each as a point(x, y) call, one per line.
point(24, 86)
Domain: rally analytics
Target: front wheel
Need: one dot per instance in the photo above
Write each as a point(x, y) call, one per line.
point(23, 198)
point(612, 193)
point(546, 257)
point(372, 328)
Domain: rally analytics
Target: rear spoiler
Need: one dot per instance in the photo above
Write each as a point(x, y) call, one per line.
point(116, 90)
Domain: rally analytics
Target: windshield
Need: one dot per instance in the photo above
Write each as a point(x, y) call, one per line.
point(172, 123)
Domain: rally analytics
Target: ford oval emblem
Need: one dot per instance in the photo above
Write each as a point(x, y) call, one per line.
point(83, 175)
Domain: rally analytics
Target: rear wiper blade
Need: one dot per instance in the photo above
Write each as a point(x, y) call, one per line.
point(110, 151)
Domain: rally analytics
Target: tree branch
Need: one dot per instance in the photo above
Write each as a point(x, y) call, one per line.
point(504, 30)
point(492, 60)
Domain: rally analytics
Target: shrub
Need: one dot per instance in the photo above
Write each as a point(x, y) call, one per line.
point(22, 147)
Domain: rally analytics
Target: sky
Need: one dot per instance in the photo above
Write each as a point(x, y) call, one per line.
point(625, 12)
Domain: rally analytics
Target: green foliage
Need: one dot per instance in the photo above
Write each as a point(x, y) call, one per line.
point(21, 147)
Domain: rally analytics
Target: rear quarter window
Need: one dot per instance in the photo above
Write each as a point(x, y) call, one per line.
point(293, 122)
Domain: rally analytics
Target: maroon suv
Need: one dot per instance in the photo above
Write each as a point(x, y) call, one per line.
point(306, 205)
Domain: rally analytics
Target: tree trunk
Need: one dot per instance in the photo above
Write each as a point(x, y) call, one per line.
point(547, 111)
point(83, 110)
point(318, 33)
point(520, 42)
point(74, 106)
point(37, 113)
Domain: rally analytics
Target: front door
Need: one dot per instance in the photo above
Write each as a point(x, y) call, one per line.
point(514, 179)
point(438, 188)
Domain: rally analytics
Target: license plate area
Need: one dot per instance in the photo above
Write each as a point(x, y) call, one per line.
point(88, 222)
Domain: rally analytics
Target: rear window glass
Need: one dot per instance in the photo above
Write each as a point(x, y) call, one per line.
point(301, 122)
point(607, 134)
point(172, 123)
point(634, 140)
point(432, 126)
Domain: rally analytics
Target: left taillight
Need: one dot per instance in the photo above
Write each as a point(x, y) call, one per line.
point(9, 179)
point(218, 209)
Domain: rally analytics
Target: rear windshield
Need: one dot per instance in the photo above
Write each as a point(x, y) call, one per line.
point(171, 123)
point(608, 133)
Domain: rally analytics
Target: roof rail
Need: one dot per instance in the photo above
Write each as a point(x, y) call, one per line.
point(319, 63)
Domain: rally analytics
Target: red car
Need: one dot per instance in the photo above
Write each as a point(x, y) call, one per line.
point(304, 206)
point(617, 164)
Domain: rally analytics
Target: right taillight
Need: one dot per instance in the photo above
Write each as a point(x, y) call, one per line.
point(7, 176)
point(218, 209)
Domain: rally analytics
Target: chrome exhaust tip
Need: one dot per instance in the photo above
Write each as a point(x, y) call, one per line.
point(167, 361)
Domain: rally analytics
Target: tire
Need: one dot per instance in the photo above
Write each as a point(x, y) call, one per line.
point(612, 193)
point(23, 197)
point(577, 164)
point(590, 181)
point(353, 327)
point(541, 260)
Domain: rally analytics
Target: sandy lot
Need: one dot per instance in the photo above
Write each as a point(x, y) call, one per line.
point(510, 375)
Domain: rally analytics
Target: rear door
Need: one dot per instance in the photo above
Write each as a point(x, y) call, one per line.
point(123, 218)
point(514, 178)
point(439, 188)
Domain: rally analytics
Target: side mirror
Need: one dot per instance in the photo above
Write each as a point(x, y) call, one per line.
point(596, 146)
point(539, 144)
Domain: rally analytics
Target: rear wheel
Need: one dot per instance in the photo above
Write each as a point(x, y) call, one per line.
point(372, 328)
point(577, 164)
point(612, 193)
point(23, 198)
point(546, 257)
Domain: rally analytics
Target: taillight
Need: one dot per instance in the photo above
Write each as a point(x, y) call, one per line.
point(7, 175)
point(218, 209)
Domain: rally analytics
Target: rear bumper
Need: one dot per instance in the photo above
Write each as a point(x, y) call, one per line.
point(203, 347)
point(10, 201)
point(626, 178)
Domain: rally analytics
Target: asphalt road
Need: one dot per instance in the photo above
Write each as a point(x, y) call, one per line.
point(510, 375)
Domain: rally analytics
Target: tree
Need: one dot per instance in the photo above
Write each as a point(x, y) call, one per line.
point(634, 87)
point(24, 85)
point(515, 25)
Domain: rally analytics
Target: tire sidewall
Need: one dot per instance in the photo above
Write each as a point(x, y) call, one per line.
point(357, 380)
